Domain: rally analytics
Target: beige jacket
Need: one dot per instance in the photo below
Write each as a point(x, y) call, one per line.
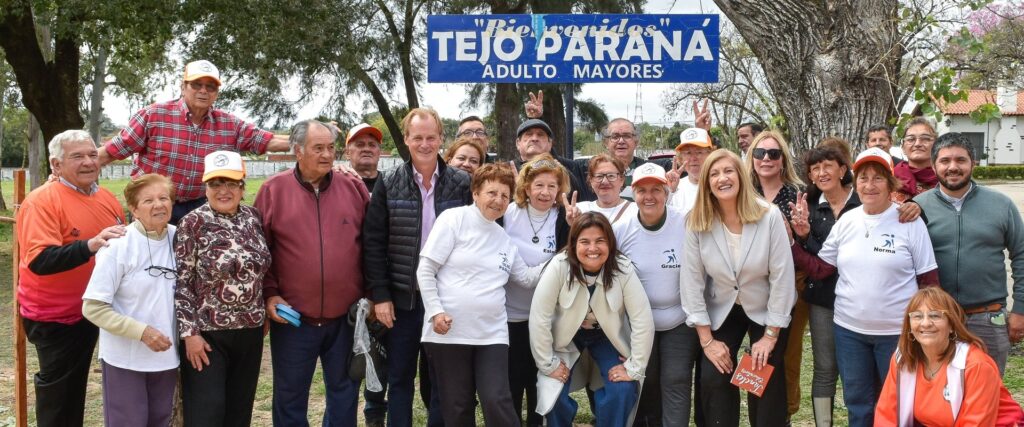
point(557, 312)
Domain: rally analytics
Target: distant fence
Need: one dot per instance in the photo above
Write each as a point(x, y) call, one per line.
point(254, 168)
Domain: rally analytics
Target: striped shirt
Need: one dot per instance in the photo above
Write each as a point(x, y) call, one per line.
point(168, 143)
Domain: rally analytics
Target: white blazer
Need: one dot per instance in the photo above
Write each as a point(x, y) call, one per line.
point(763, 279)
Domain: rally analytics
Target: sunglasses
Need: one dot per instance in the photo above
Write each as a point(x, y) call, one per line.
point(773, 153)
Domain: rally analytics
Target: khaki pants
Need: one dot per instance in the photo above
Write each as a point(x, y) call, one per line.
point(795, 347)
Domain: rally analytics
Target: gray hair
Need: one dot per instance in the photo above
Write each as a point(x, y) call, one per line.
point(56, 145)
point(604, 132)
point(297, 137)
point(952, 139)
point(921, 120)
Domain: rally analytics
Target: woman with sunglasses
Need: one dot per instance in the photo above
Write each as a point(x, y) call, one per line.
point(222, 257)
point(941, 374)
point(606, 175)
point(770, 163)
point(130, 297)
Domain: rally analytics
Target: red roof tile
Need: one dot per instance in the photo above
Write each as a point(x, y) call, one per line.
point(977, 98)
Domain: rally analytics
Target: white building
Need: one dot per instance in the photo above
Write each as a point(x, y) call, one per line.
point(998, 141)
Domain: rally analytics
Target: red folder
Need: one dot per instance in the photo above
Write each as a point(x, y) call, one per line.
point(753, 381)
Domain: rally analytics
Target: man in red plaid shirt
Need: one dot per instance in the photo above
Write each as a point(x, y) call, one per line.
point(172, 138)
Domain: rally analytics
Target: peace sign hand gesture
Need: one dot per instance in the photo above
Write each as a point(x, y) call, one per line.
point(800, 215)
point(676, 173)
point(571, 211)
point(535, 106)
point(702, 117)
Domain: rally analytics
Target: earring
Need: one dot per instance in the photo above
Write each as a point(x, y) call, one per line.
point(952, 336)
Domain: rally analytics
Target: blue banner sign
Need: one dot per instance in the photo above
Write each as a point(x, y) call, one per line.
point(572, 48)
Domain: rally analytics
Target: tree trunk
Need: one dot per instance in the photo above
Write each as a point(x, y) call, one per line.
point(554, 115)
point(3, 99)
point(99, 84)
point(832, 65)
point(36, 169)
point(506, 114)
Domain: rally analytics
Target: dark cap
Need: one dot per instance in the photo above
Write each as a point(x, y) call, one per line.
point(533, 123)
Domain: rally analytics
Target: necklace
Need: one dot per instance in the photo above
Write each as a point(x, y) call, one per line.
point(536, 239)
point(931, 374)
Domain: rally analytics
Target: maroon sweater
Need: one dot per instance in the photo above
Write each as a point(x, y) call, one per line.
point(315, 241)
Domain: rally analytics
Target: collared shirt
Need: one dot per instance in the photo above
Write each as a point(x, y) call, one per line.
point(428, 214)
point(167, 142)
point(96, 187)
point(957, 203)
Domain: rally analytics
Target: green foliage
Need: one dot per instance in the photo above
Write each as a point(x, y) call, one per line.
point(15, 137)
point(1009, 173)
point(582, 137)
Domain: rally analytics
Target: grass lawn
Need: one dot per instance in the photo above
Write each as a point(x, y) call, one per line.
point(1014, 377)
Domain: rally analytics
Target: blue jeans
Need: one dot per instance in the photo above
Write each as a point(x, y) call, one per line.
point(403, 346)
point(295, 352)
point(863, 364)
point(614, 401)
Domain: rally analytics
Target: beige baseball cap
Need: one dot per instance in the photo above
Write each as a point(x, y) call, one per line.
point(202, 68)
point(224, 164)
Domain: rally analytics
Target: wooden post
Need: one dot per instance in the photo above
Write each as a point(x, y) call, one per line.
point(20, 384)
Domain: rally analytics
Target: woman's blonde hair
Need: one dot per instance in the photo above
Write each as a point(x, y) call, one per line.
point(706, 209)
point(789, 173)
point(540, 164)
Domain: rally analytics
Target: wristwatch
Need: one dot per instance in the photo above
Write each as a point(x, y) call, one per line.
point(771, 332)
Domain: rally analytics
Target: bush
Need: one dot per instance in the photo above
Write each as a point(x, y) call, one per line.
point(999, 172)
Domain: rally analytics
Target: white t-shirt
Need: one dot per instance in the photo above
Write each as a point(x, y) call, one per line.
point(657, 256)
point(477, 258)
point(520, 231)
point(685, 195)
point(612, 212)
point(120, 279)
point(878, 259)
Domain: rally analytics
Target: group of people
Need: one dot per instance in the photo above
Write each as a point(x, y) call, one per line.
point(508, 286)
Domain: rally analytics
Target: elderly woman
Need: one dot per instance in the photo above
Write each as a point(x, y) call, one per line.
point(130, 297)
point(463, 269)
point(941, 374)
point(738, 241)
point(881, 263)
point(606, 175)
point(537, 227)
point(222, 257)
point(466, 154)
point(652, 241)
point(590, 298)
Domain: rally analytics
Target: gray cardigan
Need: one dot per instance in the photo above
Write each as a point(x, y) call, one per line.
point(969, 246)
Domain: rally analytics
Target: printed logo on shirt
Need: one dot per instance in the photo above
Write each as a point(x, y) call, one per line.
point(505, 265)
point(551, 245)
point(672, 261)
point(888, 244)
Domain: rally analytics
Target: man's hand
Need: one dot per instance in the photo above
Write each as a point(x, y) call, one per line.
point(675, 174)
point(102, 239)
point(385, 312)
point(909, 212)
point(1015, 323)
point(272, 303)
point(701, 116)
point(535, 106)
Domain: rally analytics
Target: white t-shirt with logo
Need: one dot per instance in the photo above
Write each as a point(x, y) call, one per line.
point(520, 232)
point(121, 280)
point(878, 259)
point(685, 195)
point(476, 258)
point(612, 212)
point(657, 256)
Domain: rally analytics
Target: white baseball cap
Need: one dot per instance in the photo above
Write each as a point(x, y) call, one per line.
point(694, 136)
point(202, 68)
point(647, 172)
point(874, 154)
point(224, 164)
point(361, 129)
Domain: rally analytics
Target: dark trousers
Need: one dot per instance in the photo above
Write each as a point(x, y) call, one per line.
point(403, 346)
point(666, 397)
point(465, 370)
point(180, 209)
point(721, 399)
point(295, 352)
point(64, 353)
point(222, 394)
point(522, 373)
point(375, 410)
point(133, 398)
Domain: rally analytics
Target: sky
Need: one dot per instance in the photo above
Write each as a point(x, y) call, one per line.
point(618, 99)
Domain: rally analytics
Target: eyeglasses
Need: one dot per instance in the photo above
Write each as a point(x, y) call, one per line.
point(157, 271)
point(610, 177)
point(210, 87)
point(618, 136)
point(230, 185)
point(473, 132)
point(924, 139)
point(773, 153)
point(933, 316)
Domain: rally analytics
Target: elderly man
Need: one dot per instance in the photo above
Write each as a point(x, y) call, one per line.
point(362, 150)
point(534, 137)
point(172, 138)
point(916, 175)
point(694, 146)
point(970, 226)
point(60, 226)
point(312, 220)
point(402, 210)
point(880, 136)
